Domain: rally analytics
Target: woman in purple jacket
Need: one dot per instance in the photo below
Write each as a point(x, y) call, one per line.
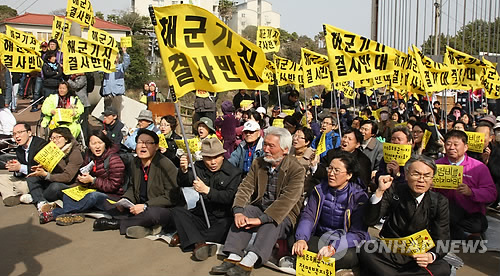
point(332, 221)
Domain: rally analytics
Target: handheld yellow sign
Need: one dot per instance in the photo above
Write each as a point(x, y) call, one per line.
point(426, 138)
point(417, 243)
point(475, 141)
point(308, 265)
point(126, 41)
point(81, 55)
point(60, 27)
point(64, 115)
point(288, 112)
point(448, 177)
point(194, 144)
point(400, 153)
point(49, 156)
point(268, 39)
point(163, 142)
point(316, 102)
point(278, 123)
point(321, 147)
point(81, 12)
point(78, 193)
point(102, 37)
point(245, 104)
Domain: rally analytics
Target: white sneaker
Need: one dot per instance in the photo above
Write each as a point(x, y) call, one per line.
point(26, 199)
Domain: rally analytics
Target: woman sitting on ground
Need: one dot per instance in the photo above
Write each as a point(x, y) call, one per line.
point(167, 127)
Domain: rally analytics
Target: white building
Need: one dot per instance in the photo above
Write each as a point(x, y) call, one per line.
point(141, 6)
point(246, 15)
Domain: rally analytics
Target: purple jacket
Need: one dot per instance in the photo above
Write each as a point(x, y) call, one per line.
point(354, 227)
point(477, 176)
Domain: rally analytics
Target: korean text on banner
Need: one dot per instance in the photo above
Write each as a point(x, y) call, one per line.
point(314, 72)
point(491, 80)
point(81, 55)
point(434, 75)
point(308, 265)
point(354, 57)
point(448, 177)
point(64, 115)
point(77, 193)
point(126, 41)
point(465, 69)
point(163, 141)
point(288, 72)
point(194, 145)
point(102, 37)
point(49, 156)
point(400, 153)
point(18, 58)
point(268, 39)
point(200, 52)
point(475, 141)
point(60, 26)
point(269, 73)
point(417, 243)
point(24, 39)
point(81, 12)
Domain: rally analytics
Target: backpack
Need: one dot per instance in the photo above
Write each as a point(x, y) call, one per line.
point(90, 81)
point(127, 160)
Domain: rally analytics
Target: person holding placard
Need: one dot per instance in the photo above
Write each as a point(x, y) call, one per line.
point(468, 202)
point(57, 105)
point(487, 130)
point(51, 74)
point(332, 139)
point(46, 187)
point(410, 207)
point(113, 84)
point(431, 148)
point(239, 97)
point(168, 125)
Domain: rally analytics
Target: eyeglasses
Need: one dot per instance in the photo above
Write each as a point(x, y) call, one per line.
point(19, 132)
point(335, 171)
point(56, 137)
point(298, 137)
point(416, 175)
point(146, 143)
point(326, 123)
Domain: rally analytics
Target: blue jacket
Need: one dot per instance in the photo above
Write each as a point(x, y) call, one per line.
point(354, 227)
point(238, 155)
point(130, 141)
point(330, 136)
point(114, 83)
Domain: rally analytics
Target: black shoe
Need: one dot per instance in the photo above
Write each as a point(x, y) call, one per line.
point(175, 241)
point(239, 270)
point(103, 224)
point(202, 251)
point(223, 268)
point(34, 109)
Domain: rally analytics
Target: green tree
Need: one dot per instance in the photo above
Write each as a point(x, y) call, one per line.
point(250, 33)
point(100, 15)
point(226, 10)
point(113, 18)
point(7, 12)
point(138, 71)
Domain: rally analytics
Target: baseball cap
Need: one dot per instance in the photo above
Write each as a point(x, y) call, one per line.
point(251, 126)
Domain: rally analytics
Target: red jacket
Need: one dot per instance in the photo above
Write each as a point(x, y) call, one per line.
point(109, 181)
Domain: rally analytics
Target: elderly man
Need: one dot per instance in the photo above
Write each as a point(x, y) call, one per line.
point(217, 182)
point(112, 126)
point(267, 203)
point(144, 120)
point(468, 202)
point(153, 189)
point(14, 189)
point(332, 139)
point(409, 208)
point(370, 146)
point(249, 149)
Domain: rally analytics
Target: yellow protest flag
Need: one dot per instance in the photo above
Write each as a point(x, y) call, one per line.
point(417, 243)
point(465, 69)
point(60, 27)
point(269, 73)
point(354, 57)
point(246, 104)
point(81, 55)
point(425, 138)
point(314, 73)
point(18, 58)
point(308, 265)
point(346, 88)
point(435, 76)
point(400, 153)
point(163, 141)
point(81, 12)
point(200, 52)
point(448, 177)
point(288, 72)
point(475, 141)
point(412, 73)
point(321, 147)
point(102, 37)
point(49, 156)
point(126, 41)
point(23, 39)
point(491, 80)
point(268, 39)
point(288, 112)
point(77, 193)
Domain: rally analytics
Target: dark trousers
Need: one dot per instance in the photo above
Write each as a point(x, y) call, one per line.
point(151, 217)
point(192, 229)
point(267, 235)
point(461, 221)
point(85, 123)
point(43, 190)
point(343, 260)
point(384, 264)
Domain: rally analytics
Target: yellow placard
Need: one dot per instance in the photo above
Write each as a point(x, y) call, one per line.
point(60, 27)
point(78, 193)
point(163, 141)
point(24, 39)
point(400, 153)
point(200, 52)
point(417, 243)
point(376, 114)
point(315, 68)
point(80, 11)
point(144, 99)
point(268, 39)
point(308, 265)
point(288, 112)
point(126, 41)
point(475, 141)
point(18, 58)
point(81, 55)
point(278, 123)
point(49, 156)
point(288, 72)
point(194, 145)
point(245, 104)
point(102, 37)
point(448, 177)
point(426, 138)
point(321, 146)
point(316, 102)
point(403, 124)
point(64, 115)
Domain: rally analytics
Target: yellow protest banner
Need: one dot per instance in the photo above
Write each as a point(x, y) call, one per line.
point(268, 39)
point(426, 138)
point(163, 141)
point(417, 243)
point(288, 112)
point(64, 115)
point(346, 88)
point(126, 41)
point(448, 177)
point(278, 123)
point(246, 104)
point(354, 57)
point(288, 72)
point(77, 193)
point(400, 153)
point(49, 156)
point(314, 73)
point(491, 80)
point(24, 39)
point(412, 73)
point(308, 265)
point(435, 76)
point(475, 141)
point(269, 73)
point(465, 69)
point(102, 37)
point(81, 12)
point(200, 52)
point(321, 146)
point(60, 27)
point(81, 55)
point(18, 58)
